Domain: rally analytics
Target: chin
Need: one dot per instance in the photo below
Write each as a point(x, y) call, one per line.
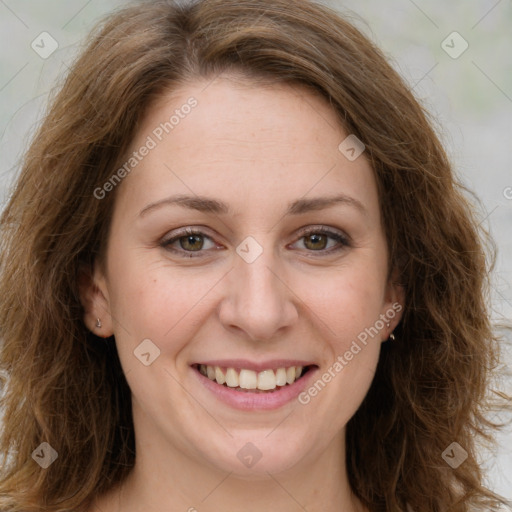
point(254, 457)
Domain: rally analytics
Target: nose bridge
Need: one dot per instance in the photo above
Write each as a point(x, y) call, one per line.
point(257, 300)
point(260, 288)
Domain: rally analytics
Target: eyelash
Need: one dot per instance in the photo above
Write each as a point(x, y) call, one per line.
point(343, 240)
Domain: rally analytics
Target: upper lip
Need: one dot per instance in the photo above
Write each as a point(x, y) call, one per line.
point(273, 364)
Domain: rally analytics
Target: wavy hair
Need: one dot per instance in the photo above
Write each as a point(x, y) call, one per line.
point(61, 386)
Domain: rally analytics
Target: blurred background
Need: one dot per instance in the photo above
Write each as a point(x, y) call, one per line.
point(457, 57)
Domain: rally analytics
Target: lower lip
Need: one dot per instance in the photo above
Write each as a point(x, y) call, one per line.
point(248, 401)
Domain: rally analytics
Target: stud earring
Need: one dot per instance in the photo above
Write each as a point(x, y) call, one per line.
point(98, 323)
point(392, 337)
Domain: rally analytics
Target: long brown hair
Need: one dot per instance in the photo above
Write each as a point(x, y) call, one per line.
point(63, 386)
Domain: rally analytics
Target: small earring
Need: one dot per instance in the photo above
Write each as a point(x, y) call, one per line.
point(392, 337)
point(98, 323)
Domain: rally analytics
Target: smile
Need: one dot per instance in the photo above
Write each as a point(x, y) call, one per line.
point(246, 380)
point(262, 387)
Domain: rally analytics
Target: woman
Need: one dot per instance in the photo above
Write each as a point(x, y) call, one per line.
point(238, 274)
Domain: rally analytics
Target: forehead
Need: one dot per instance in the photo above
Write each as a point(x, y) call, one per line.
point(245, 143)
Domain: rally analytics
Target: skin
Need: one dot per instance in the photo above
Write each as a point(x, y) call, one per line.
point(258, 149)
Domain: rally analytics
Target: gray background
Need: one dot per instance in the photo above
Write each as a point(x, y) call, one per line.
point(470, 96)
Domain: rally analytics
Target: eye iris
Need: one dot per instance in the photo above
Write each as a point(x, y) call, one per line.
point(191, 240)
point(315, 238)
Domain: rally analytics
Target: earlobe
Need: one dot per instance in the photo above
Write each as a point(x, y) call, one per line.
point(94, 299)
point(393, 314)
point(394, 307)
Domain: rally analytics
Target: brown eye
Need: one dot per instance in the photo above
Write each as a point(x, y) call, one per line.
point(191, 242)
point(316, 241)
point(188, 243)
point(322, 240)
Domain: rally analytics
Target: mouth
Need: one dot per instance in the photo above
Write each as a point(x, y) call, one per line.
point(245, 380)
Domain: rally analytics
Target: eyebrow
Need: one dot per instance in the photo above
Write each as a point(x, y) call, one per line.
point(209, 205)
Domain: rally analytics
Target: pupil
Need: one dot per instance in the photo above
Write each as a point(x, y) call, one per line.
point(314, 239)
point(189, 240)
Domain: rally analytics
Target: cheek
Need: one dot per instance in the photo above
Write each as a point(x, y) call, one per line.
point(351, 347)
point(346, 303)
point(158, 303)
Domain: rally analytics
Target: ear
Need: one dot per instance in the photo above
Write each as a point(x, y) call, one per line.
point(394, 304)
point(94, 298)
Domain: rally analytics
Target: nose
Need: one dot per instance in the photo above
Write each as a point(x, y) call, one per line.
point(258, 301)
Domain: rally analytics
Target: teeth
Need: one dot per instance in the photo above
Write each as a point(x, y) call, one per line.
point(231, 378)
point(219, 376)
point(266, 380)
point(210, 372)
point(249, 379)
point(281, 377)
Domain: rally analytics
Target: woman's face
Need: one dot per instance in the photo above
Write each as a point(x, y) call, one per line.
point(285, 266)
